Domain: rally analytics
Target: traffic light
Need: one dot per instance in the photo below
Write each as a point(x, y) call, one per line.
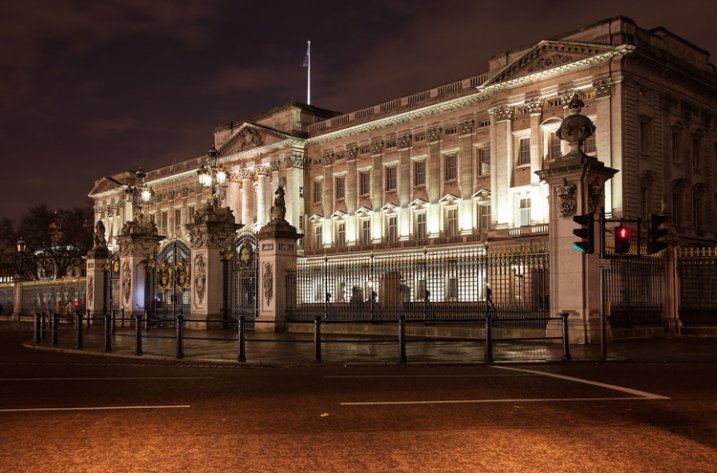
point(622, 239)
point(586, 232)
point(654, 233)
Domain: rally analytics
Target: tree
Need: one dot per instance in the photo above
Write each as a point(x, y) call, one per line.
point(56, 240)
point(8, 249)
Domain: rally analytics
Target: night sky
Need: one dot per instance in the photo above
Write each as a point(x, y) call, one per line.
point(92, 88)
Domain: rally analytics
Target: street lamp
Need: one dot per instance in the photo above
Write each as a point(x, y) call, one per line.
point(213, 175)
point(139, 193)
point(21, 247)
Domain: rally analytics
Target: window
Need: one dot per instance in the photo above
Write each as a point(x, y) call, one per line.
point(484, 217)
point(484, 161)
point(420, 231)
point(318, 236)
point(554, 151)
point(391, 178)
point(524, 211)
point(365, 231)
point(419, 173)
point(165, 220)
point(452, 222)
point(451, 170)
point(675, 146)
point(341, 234)
point(589, 145)
point(524, 152)
point(364, 183)
point(645, 130)
point(392, 229)
point(696, 210)
point(190, 213)
point(696, 145)
point(676, 205)
point(645, 202)
point(340, 188)
point(317, 192)
point(177, 221)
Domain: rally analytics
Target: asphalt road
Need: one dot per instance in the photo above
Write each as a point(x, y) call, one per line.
point(76, 413)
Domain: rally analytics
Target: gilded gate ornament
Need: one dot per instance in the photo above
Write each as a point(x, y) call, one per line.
point(200, 279)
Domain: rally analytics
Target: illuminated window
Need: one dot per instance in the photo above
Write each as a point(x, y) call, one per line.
point(484, 161)
point(318, 237)
point(419, 173)
point(392, 229)
point(391, 178)
point(340, 188)
point(484, 217)
point(341, 234)
point(177, 221)
point(452, 222)
point(420, 231)
point(554, 146)
point(524, 212)
point(165, 220)
point(589, 145)
point(451, 171)
point(365, 231)
point(317, 192)
point(364, 183)
point(524, 152)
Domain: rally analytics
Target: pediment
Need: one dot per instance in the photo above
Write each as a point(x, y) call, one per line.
point(449, 199)
point(249, 136)
point(546, 56)
point(315, 218)
point(106, 184)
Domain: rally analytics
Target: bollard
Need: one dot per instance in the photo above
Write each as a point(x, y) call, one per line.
point(122, 317)
point(317, 339)
point(242, 339)
point(402, 338)
point(113, 320)
point(89, 319)
point(180, 335)
point(78, 330)
point(488, 355)
point(566, 336)
point(43, 326)
point(55, 324)
point(108, 332)
point(138, 334)
point(36, 328)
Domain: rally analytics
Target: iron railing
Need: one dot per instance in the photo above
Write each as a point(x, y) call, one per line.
point(635, 289)
point(697, 270)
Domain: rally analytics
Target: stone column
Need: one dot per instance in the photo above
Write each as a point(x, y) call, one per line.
point(247, 191)
point(576, 182)
point(535, 108)
point(501, 164)
point(404, 187)
point(138, 246)
point(433, 181)
point(263, 174)
point(97, 258)
point(277, 252)
point(211, 234)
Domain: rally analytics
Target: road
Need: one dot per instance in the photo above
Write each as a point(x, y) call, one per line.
point(82, 413)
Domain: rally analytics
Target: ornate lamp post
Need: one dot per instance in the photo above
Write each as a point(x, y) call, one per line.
point(139, 193)
point(213, 176)
point(21, 247)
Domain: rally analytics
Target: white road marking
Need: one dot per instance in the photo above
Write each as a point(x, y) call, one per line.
point(495, 401)
point(111, 378)
point(634, 392)
point(100, 408)
point(403, 376)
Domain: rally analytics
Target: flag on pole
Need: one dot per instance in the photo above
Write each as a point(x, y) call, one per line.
point(307, 58)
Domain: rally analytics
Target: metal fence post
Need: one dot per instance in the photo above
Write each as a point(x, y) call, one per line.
point(122, 317)
point(108, 332)
point(317, 339)
point(402, 338)
point(180, 336)
point(43, 326)
point(566, 336)
point(242, 339)
point(113, 320)
point(78, 330)
point(55, 324)
point(36, 328)
point(138, 334)
point(488, 355)
point(89, 319)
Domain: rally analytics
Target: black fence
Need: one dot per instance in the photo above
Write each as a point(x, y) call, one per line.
point(697, 271)
point(635, 289)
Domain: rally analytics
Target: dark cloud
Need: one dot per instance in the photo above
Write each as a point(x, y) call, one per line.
point(94, 88)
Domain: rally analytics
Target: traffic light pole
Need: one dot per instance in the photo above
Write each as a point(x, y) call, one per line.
point(603, 286)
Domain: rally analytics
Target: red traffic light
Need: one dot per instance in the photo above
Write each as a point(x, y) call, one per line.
point(622, 232)
point(622, 239)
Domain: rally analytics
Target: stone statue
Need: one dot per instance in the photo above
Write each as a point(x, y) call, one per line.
point(575, 129)
point(278, 210)
point(99, 236)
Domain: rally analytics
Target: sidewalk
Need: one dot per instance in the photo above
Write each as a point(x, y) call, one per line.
point(293, 349)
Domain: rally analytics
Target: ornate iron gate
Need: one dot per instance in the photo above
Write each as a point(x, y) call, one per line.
point(246, 275)
point(170, 283)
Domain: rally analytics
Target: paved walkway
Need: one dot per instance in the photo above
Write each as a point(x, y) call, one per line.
point(284, 349)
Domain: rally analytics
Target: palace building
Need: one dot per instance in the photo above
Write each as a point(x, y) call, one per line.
point(454, 167)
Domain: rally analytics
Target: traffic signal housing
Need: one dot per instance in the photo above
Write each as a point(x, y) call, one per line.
point(585, 232)
point(655, 234)
point(622, 239)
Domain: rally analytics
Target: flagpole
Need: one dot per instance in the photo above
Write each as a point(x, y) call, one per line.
point(308, 73)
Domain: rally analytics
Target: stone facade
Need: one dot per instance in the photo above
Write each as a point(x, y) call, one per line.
point(457, 164)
